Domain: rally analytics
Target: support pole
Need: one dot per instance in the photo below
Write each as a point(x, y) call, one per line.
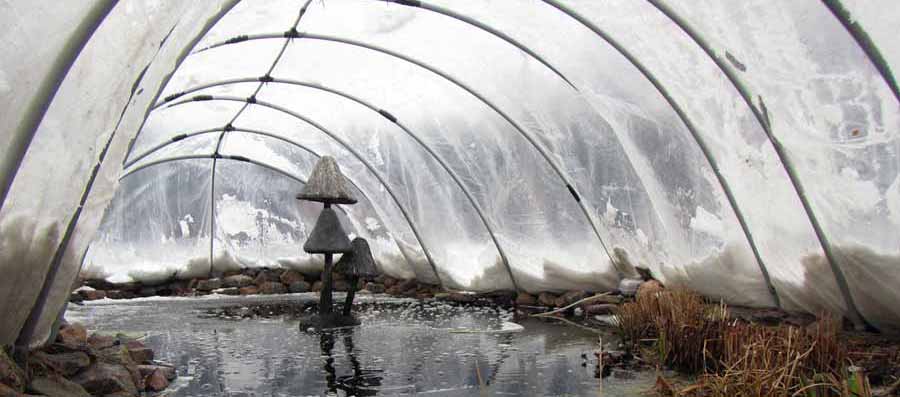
point(351, 293)
point(325, 298)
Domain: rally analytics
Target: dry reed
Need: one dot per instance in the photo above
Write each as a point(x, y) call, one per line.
point(734, 358)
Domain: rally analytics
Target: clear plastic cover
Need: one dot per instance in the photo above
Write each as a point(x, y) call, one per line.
point(610, 143)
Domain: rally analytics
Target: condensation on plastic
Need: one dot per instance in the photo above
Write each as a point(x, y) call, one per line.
point(86, 110)
point(838, 121)
point(29, 49)
point(158, 221)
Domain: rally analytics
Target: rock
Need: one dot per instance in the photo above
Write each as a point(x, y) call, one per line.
point(389, 282)
point(6, 391)
point(272, 287)
point(74, 298)
point(461, 297)
point(167, 371)
point(317, 286)
point(147, 291)
point(10, 373)
point(547, 299)
point(156, 381)
point(99, 341)
point(407, 285)
point(230, 273)
point(424, 295)
point(92, 295)
point(104, 378)
point(291, 276)
point(570, 297)
point(393, 291)
point(600, 309)
point(341, 286)
point(54, 385)
point(312, 277)
point(237, 281)
point(299, 286)
point(209, 285)
point(141, 354)
point(649, 288)
point(526, 299)
point(67, 364)
point(266, 276)
point(100, 284)
point(120, 294)
point(119, 355)
point(629, 286)
point(375, 288)
point(72, 335)
point(227, 291)
point(249, 290)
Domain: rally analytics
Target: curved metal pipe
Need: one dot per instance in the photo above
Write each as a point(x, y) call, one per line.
point(387, 115)
point(689, 124)
point(162, 145)
point(865, 42)
point(556, 168)
point(786, 162)
point(369, 166)
point(221, 157)
point(421, 4)
point(210, 23)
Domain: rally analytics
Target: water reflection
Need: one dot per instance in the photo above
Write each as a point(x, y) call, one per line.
point(361, 382)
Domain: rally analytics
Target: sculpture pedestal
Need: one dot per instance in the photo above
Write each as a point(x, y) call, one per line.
point(328, 321)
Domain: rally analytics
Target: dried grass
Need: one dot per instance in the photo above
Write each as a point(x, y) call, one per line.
point(732, 358)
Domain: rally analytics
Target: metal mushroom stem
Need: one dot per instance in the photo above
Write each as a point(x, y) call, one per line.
point(355, 265)
point(328, 186)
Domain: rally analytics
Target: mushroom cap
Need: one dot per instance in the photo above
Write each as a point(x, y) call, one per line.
point(328, 236)
point(327, 184)
point(358, 262)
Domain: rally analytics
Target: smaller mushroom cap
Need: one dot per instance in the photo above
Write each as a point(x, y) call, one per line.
point(327, 184)
point(328, 236)
point(359, 262)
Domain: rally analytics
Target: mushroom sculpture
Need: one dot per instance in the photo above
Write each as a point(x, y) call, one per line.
point(356, 265)
point(328, 186)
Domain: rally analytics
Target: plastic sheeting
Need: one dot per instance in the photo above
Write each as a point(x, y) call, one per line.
point(484, 162)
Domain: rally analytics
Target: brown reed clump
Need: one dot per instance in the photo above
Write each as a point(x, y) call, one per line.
point(732, 358)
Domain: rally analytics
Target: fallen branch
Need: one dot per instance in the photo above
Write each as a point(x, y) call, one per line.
point(562, 309)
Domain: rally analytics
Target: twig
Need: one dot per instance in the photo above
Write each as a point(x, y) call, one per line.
point(562, 309)
point(892, 389)
point(594, 330)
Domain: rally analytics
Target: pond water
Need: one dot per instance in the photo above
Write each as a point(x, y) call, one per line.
point(404, 347)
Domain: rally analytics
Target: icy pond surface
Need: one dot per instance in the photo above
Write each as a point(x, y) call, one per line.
point(404, 347)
